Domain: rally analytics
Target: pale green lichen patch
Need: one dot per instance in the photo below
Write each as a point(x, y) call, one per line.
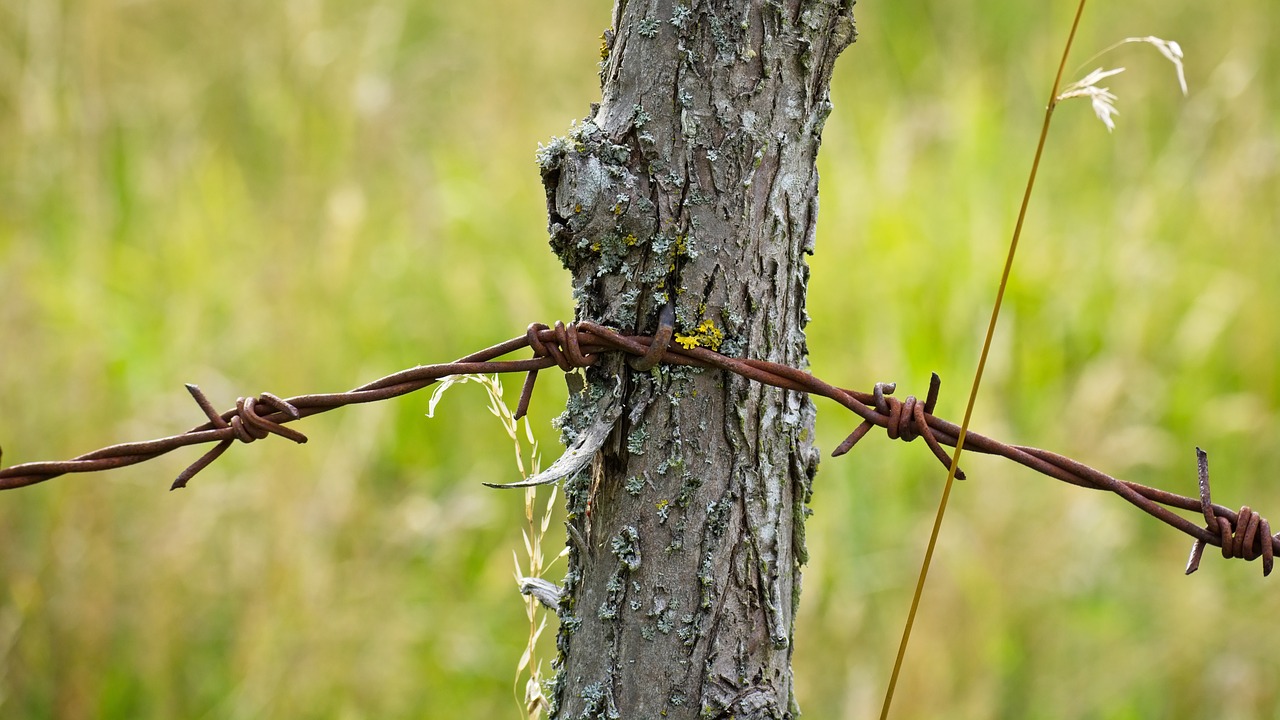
point(581, 406)
point(680, 16)
point(612, 248)
point(598, 703)
point(625, 546)
point(688, 487)
point(663, 614)
point(664, 510)
point(636, 440)
point(550, 155)
point(690, 629)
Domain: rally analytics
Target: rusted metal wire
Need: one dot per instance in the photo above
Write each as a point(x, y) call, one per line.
point(1244, 534)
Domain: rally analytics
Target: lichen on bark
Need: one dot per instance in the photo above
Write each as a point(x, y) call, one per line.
point(692, 182)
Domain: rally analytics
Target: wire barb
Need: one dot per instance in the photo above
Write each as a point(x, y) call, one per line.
point(1247, 538)
point(1244, 534)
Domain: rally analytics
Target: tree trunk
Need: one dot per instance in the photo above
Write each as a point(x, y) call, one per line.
point(692, 183)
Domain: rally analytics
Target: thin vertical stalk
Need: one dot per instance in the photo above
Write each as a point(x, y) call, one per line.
point(982, 364)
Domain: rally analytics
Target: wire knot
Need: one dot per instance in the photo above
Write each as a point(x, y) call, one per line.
point(1248, 538)
point(902, 419)
point(248, 425)
point(565, 350)
point(245, 423)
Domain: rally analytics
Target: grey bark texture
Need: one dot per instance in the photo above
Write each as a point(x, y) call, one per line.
point(692, 182)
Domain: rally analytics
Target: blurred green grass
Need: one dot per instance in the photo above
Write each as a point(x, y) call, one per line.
point(303, 196)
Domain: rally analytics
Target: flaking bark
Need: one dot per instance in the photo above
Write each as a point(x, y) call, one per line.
point(692, 182)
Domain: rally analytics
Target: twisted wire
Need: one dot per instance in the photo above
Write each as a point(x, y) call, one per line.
point(1244, 534)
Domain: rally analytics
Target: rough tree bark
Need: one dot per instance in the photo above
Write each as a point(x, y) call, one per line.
point(692, 183)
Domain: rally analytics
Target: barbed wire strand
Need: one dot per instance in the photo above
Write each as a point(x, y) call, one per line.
point(1244, 534)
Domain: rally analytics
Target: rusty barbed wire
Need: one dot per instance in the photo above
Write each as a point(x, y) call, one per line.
point(1244, 534)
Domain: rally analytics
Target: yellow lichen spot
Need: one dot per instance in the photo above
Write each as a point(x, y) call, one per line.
point(711, 335)
point(662, 504)
point(604, 45)
point(595, 247)
point(706, 335)
point(577, 208)
point(630, 240)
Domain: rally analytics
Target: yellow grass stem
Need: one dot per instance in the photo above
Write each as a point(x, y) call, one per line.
point(982, 364)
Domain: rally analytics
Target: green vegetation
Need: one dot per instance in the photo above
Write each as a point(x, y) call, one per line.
point(303, 196)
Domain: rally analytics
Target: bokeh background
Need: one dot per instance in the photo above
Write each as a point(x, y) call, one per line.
point(301, 196)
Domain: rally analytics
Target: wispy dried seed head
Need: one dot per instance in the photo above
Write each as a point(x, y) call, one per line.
point(1103, 99)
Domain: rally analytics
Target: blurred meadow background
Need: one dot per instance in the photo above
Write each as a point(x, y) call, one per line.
point(302, 196)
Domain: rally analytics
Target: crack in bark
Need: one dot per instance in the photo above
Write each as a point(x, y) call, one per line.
point(681, 185)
